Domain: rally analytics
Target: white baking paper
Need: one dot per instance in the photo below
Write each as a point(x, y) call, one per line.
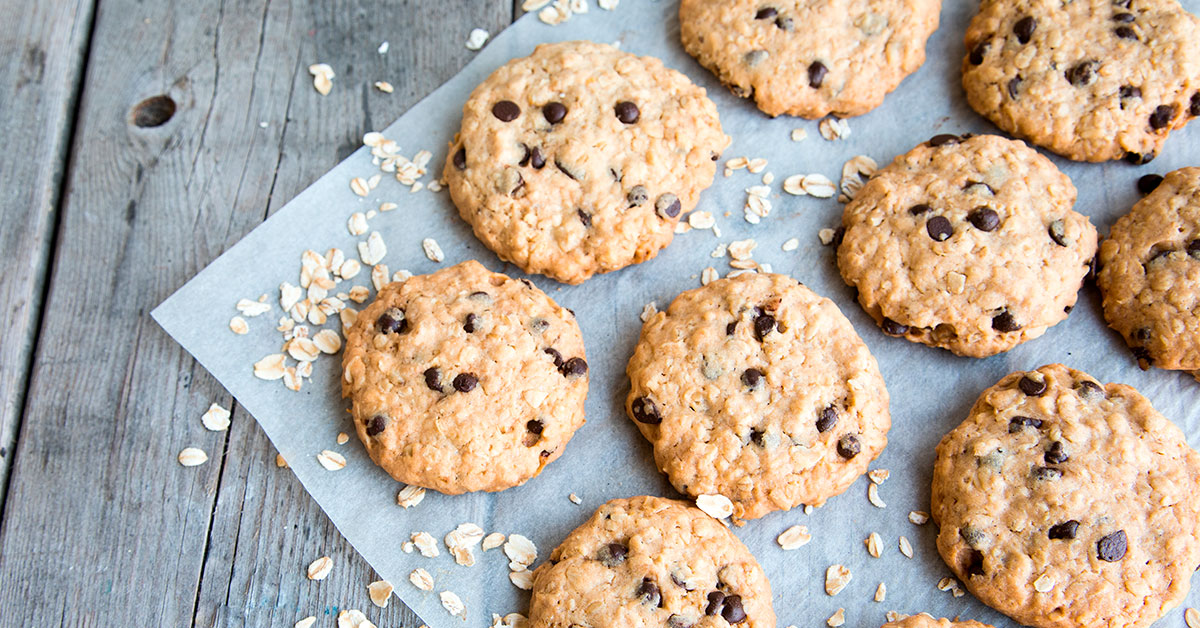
point(931, 390)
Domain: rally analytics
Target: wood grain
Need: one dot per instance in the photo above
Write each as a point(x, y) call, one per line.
point(102, 525)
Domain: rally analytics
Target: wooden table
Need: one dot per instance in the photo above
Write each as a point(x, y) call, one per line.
point(141, 139)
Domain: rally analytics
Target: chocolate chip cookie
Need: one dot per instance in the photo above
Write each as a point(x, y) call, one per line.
point(1063, 502)
point(464, 379)
point(647, 562)
point(1150, 273)
point(967, 243)
point(1091, 80)
point(925, 620)
point(755, 388)
point(580, 159)
point(810, 59)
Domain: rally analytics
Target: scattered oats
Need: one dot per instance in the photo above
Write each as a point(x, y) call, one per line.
point(252, 308)
point(238, 325)
point(578, 6)
point(533, 5)
point(808, 509)
point(766, 268)
point(384, 87)
point(303, 349)
point(270, 367)
point(608, 5)
point(574, 499)
point(373, 182)
point(742, 249)
point(453, 604)
point(874, 545)
point(881, 592)
point(1044, 583)
point(798, 135)
point(826, 236)
point(794, 185)
point(701, 220)
point(792, 244)
point(331, 460)
point(379, 276)
point(359, 186)
point(435, 186)
point(343, 438)
point(349, 269)
point(401, 275)
point(383, 48)
point(304, 369)
point(432, 250)
point(738, 272)
point(328, 341)
point(286, 324)
point(289, 296)
point(957, 591)
point(461, 542)
point(834, 129)
point(492, 541)
point(744, 264)
point(357, 225)
point(838, 618)
point(380, 592)
point(520, 551)
point(682, 227)
point(192, 457)
point(1192, 617)
point(348, 316)
point(410, 496)
point(794, 537)
point(918, 517)
point(307, 622)
point(819, 186)
point(879, 476)
point(719, 251)
point(522, 579)
point(353, 618)
point(737, 163)
point(715, 506)
point(319, 569)
point(373, 139)
point(751, 217)
point(836, 579)
point(322, 77)
point(906, 547)
point(649, 310)
point(416, 187)
point(756, 165)
point(387, 207)
point(215, 419)
point(426, 544)
point(477, 39)
point(947, 583)
point(708, 275)
point(280, 462)
point(556, 14)
point(768, 178)
point(373, 250)
point(894, 616)
point(757, 205)
point(421, 579)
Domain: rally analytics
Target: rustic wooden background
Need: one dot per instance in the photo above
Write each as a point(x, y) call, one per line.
point(108, 207)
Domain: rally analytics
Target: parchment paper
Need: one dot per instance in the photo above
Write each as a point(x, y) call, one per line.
point(931, 390)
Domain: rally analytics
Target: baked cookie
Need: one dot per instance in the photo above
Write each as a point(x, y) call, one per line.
point(810, 59)
point(1063, 502)
point(1150, 274)
point(648, 562)
point(967, 243)
point(464, 379)
point(580, 159)
point(1091, 80)
point(755, 388)
point(925, 620)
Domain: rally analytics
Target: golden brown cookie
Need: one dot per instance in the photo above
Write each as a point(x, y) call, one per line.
point(925, 620)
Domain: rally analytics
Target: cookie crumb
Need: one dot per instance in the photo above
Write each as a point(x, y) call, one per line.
point(574, 499)
point(322, 77)
point(879, 476)
point(280, 462)
point(799, 135)
point(918, 517)
point(319, 569)
point(836, 579)
point(826, 236)
point(477, 39)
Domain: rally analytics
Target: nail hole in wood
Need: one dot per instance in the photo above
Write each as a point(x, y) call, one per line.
point(154, 111)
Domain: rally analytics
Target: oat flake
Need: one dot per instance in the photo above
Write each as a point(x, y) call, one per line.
point(270, 367)
point(492, 541)
point(794, 537)
point(319, 569)
point(215, 419)
point(238, 325)
point(874, 545)
point(873, 496)
point(522, 579)
point(425, 544)
point(192, 457)
point(432, 250)
point(906, 547)
point(453, 604)
point(838, 618)
point(307, 622)
point(520, 551)
point(421, 579)
point(836, 579)
point(715, 506)
point(380, 592)
point(918, 517)
point(477, 39)
point(881, 592)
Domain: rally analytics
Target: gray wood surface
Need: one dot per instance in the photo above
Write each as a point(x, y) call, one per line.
point(100, 524)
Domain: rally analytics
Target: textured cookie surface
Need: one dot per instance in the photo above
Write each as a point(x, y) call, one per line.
point(755, 388)
point(1063, 502)
point(969, 244)
point(925, 620)
point(580, 159)
point(806, 58)
point(464, 379)
point(1150, 274)
point(1091, 80)
point(647, 562)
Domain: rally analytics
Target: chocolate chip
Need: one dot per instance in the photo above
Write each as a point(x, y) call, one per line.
point(973, 536)
point(1193, 248)
point(980, 49)
point(783, 23)
point(613, 554)
point(565, 170)
point(892, 328)
point(1056, 454)
point(1112, 547)
point(573, 367)
point(758, 437)
point(1005, 322)
point(1082, 73)
point(392, 321)
point(730, 328)
point(1162, 116)
point(984, 218)
point(433, 378)
point(460, 158)
point(1148, 183)
point(584, 217)
point(1139, 159)
point(667, 205)
point(826, 419)
point(733, 612)
point(678, 621)
point(939, 228)
point(816, 74)
point(535, 427)
point(1024, 28)
point(525, 157)
point(1031, 386)
point(755, 57)
point(644, 411)
point(553, 353)
point(1142, 334)
point(465, 382)
point(1142, 355)
point(975, 563)
point(848, 446)
point(1129, 91)
point(554, 112)
point(1065, 530)
point(1017, 423)
point(537, 159)
point(637, 195)
point(506, 111)
point(1058, 232)
point(919, 208)
point(648, 593)
point(376, 425)
point(481, 296)
point(1046, 474)
point(1089, 389)
point(1194, 106)
point(716, 600)
point(1123, 18)
point(766, 13)
point(627, 112)
point(751, 377)
point(1013, 87)
point(1125, 32)
point(943, 139)
point(763, 325)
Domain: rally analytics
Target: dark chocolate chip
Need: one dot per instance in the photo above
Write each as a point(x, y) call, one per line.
point(553, 353)
point(613, 554)
point(1082, 73)
point(573, 367)
point(716, 600)
point(751, 377)
point(733, 612)
point(1058, 232)
point(627, 112)
point(1123, 18)
point(766, 13)
point(755, 57)
point(648, 593)
point(973, 536)
point(763, 325)
point(980, 49)
point(827, 418)
point(1148, 183)
point(1056, 454)
point(1129, 91)
point(667, 205)
point(644, 411)
point(1017, 423)
point(1031, 386)
point(848, 446)
point(1111, 548)
point(892, 328)
point(1046, 474)
point(433, 378)
point(480, 295)
point(678, 621)
point(1193, 248)
point(554, 112)
point(1005, 322)
point(535, 427)
point(1013, 87)
point(1125, 32)
point(939, 228)
point(1065, 530)
point(1024, 28)
point(1162, 116)
point(376, 425)
point(783, 23)
point(524, 158)
point(975, 563)
point(919, 208)
point(1089, 389)
point(392, 321)
point(730, 328)
point(584, 217)
point(470, 324)
point(838, 234)
point(1139, 159)
point(506, 111)
point(1194, 105)
point(1142, 355)
point(816, 74)
point(984, 218)
point(943, 139)
point(972, 186)
point(637, 195)
point(564, 169)
point(537, 159)
point(460, 158)
point(465, 382)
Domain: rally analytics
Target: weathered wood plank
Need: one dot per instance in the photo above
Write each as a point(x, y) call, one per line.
point(41, 67)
